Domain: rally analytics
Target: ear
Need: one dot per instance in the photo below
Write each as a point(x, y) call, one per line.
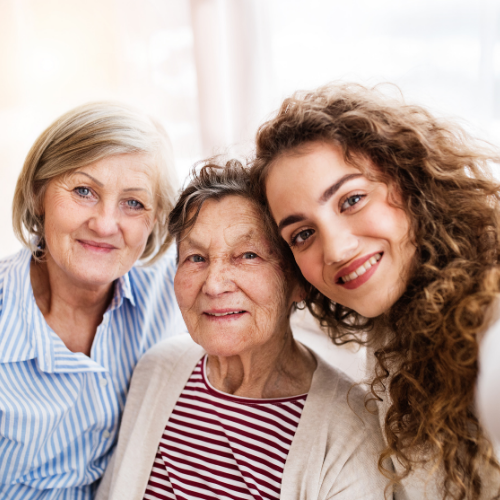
point(298, 293)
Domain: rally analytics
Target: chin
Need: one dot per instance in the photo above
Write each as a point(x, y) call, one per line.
point(222, 347)
point(371, 313)
point(95, 279)
point(374, 309)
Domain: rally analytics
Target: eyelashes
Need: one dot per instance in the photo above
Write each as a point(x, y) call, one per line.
point(351, 201)
point(86, 193)
point(346, 204)
point(301, 237)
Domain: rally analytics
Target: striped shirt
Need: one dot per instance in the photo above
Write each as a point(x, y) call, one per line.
point(219, 446)
point(60, 410)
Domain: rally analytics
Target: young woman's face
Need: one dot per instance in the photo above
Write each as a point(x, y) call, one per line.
point(348, 239)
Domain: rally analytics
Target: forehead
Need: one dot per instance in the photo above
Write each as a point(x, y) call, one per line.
point(122, 172)
point(227, 222)
point(307, 172)
point(138, 164)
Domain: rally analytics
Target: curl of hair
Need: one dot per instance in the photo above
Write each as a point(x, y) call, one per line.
point(426, 344)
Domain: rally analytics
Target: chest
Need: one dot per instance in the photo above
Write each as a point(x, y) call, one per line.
point(223, 446)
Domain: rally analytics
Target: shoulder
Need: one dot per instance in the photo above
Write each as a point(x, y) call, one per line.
point(166, 263)
point(165, 357)
point(335, 440)
point(338, 406)
point(336, 387)
point(160, 274)
point(13, 270)
point(14, 262)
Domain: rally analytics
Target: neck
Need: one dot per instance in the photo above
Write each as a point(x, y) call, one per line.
point(268, 371)
point(73, 311)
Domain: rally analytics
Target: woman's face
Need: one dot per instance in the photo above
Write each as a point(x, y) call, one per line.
point(229, 285)
point(98, 219)
point(349, 241)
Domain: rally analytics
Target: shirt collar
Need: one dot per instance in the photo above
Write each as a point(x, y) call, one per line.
point(22, 325)
point(123, 290)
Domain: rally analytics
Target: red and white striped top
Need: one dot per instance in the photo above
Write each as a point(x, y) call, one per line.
point(219, 446)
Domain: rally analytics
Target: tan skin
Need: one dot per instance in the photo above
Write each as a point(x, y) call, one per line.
point(97, 222)
point(232, 295)
point(337, 222)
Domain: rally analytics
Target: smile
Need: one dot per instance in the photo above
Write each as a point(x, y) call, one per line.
point(96, 246)
point(224, 314)
point(362, 268)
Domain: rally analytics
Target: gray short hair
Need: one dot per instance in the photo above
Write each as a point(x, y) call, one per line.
point(82, 136)
point(215, 180)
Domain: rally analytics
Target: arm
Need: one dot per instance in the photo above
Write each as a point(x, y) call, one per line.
point(360, 478)
point(105, 485)
point(488, 385)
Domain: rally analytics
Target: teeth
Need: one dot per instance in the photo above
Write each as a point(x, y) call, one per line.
point(362, 269)
point(225, 314)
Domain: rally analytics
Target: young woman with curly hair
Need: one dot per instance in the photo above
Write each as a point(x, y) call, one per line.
point(393, 218)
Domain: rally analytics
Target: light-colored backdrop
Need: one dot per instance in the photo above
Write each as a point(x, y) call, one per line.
point(212, 70)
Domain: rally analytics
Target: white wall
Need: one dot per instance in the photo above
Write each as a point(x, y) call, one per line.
point(212, 70)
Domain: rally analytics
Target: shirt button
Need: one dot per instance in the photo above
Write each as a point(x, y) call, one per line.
point(103, 382)
point(106, 434)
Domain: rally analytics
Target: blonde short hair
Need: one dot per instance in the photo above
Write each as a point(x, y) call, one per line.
point(84, 135)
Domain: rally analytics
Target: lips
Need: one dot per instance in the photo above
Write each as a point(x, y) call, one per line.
point(96, 246)
point(223, 314)
point(359, 271)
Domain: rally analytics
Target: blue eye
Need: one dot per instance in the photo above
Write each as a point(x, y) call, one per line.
point(249, 255)
point(351, 201)
point(134, 204)
point(84, 192)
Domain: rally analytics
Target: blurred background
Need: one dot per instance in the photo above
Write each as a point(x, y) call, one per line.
point(212, 70)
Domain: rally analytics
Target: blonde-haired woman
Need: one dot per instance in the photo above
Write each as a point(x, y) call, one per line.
point(76, 314)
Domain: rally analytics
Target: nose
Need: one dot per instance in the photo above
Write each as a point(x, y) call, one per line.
point(105, 220)
point(339, 244)
point(218, 280)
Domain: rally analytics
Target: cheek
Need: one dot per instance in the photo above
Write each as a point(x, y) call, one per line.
point(310, 262)
point(383, 221)
point(186, 288)
point(268, 290)
point(137, 231)
point(62, 218)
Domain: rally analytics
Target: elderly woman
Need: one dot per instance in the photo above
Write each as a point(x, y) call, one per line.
point(75, 315)
point(239, 409)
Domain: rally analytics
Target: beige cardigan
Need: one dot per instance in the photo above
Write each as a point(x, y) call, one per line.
point(333, 455)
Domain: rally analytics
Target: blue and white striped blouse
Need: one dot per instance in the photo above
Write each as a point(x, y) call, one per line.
point(60, 410)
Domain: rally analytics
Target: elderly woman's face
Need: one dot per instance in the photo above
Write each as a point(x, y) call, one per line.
point(229, 285)
point(347, 237)
point(98, 218)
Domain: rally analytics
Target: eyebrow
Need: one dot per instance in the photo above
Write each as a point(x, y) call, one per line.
point(335, 187)
point(248, 236)
point(100, 184)
point(291, 219)
point(327, 194)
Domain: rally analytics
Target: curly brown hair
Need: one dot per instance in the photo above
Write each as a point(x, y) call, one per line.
point(426, 344)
